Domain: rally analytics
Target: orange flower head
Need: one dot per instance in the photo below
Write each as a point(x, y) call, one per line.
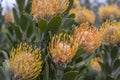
point(76, 4)
point(94, 63)
point(46, 9)
point(83, 15)
point(110, 11)
point(110, 31)
point(89, 38)
point(62, 48)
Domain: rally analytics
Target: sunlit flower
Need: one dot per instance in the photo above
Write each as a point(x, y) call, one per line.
point(45, 9)
point(76, 4)
point(110, 11)
point(62, 48)
point(110, 31)
point(7, 7)
point(95, 63)
point(25, 62)
point(83, 15)
point(89, 38)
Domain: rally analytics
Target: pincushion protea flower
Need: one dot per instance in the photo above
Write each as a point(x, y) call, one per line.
point(25, 62)
point(94, 63)
point(62, 48)
point(106, 12)
point(110, 31)
point(83, 15)
point(89, 38)
point(45, 9)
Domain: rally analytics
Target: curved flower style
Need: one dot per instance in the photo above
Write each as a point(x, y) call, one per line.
point(110, 31)
point(83, 15)
point(45, 9)
point(25, 62)
point(62, 48)
point(76, 4)
point(94, 63)
point(89, 38)
point(110, 11)
point(7, 7)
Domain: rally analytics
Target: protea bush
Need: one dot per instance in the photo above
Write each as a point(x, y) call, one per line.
point(59, 40)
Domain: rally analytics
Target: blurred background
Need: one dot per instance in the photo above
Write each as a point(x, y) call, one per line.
point(95, 4)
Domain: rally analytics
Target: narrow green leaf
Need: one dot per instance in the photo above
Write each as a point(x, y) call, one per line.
point(46, 71)
point(28, 7)
point(16, 15)
point(114, 52)
point(116, 64)
point(70, 75)
point(23, 22)
point(18, 33)
point(30, 31)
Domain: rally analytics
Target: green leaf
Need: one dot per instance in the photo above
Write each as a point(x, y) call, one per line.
point(54, 24)
point(30, 31)
point(18, 33)
point(67, 24)
point(16, 15)
point(114, 52)
point(116, 64)
point(42, 25)
point(23, 22)
point(109, 78)
point(82, 68)
point(28, 7)
point(29, 18)
point(118, 77)
point(21, 4)
point(70, 75)
point(77, 57)
point(46, 71)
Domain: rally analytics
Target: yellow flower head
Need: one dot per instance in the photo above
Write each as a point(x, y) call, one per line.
point(76, 4)
point(94, 63)
point(88, 37)
point(110, 31)
point(83, 15)
point(25, 62)
point(62, 48)
point(106, 12)
point(45, 9)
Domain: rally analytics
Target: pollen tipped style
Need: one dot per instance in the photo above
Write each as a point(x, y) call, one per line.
point(62, 48)
point(46, 9)
point(110, 31)
point(109, 11)
point(88, 37)
point(25, 62)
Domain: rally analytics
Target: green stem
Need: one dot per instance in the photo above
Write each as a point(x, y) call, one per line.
point(60, 71)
